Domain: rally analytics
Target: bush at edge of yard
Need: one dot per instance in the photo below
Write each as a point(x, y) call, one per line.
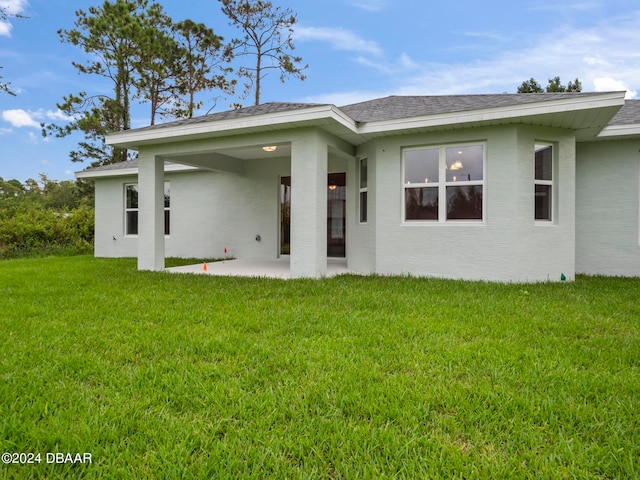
point(40, 231)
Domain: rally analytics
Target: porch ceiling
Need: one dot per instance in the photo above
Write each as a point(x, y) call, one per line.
point(230, 159)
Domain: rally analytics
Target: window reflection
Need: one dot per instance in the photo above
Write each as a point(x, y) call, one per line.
point(421, 203)
point(461, 167)
point(464, 202)
point(464, 163)
point(543, 202)
point(421, 166)
point(543, 183)
point(132, 208)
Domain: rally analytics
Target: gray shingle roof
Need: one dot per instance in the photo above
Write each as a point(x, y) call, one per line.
point(396, 107)
point(115, 166)
point(629, 114)
point(263, 109)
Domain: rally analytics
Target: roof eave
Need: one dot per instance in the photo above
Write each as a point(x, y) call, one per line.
point(130, 171)
point(340, 124)
point(498, 114)
point(133, 139)
point(619, 131)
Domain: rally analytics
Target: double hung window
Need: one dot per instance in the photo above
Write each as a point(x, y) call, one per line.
point(543, 183)
point(131, 209)
point(363, 190)
point(444, 183)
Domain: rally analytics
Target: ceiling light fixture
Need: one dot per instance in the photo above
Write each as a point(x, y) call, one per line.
point(269, 148)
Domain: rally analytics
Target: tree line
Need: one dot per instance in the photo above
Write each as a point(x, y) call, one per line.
point(149, 58)
point(45, 217)
point(146, 57)
point(554, 86)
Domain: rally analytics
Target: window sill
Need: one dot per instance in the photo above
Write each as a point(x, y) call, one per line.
point(432, 223)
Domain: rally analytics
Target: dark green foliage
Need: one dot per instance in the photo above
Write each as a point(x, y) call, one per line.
point(267, 31)
point(148, 57)
point(554, 85)
point(145, 56)
point(40, 231)
point(46, 218)
point(201, 65)
point(530, 86)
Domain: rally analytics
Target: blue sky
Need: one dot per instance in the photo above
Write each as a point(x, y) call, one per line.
point(356, 50)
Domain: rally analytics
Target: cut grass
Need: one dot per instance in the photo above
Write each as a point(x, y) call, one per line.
point(190, 376)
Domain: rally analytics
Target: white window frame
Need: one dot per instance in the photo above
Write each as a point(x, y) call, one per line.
point(167, 209)
point(128, 210)
point(363, 189)
point(550, 183)
point(442, 185)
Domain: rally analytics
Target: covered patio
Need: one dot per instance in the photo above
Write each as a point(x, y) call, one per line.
point(277, 268)
point(253, 167)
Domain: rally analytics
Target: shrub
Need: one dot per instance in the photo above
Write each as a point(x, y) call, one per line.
point(40, 231)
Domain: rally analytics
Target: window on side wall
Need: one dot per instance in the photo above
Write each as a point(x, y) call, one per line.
point(363, 190)
point(131, 209)
point(444, 183)
point(543, 183)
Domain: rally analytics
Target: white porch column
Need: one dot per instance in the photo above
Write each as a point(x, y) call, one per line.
point(150, 213)
point(309, 157)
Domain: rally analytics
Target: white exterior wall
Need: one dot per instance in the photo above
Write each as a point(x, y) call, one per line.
point(607, 208)
point(361, 239)
point(210, 211)
point(110, 240)
point(309, 154)
point(508, 245)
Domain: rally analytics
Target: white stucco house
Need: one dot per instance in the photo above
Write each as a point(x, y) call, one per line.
point(511, 187)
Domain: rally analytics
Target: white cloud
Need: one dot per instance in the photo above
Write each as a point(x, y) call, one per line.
point(4, 131)
point(57, 115)
point(5, 29)
point(605, 56)
point(371, 5)
point(392, 67)
point(19, 118)
point(11, 7)
point(345, 98)
point(407, 62)
point(566, 6)
point(608, 84)
point(596, 62)
point(486, 35)
point(339, 39)
point(14, 6)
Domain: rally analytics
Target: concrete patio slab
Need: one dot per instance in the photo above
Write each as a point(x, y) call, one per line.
point(277, 268)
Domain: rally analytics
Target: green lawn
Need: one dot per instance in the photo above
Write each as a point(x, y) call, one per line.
point(189, 376)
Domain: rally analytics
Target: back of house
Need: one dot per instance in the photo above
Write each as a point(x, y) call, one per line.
point(511, 187)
